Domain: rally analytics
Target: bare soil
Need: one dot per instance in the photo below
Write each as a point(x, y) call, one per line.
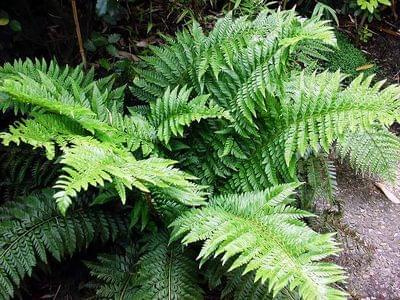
point(370, 232)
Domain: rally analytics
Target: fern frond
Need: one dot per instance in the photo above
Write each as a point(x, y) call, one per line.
point(261, 231)
point(167, 272)
point(173, 111)
point(90, 162)
point(374, 152)
point(32, 228)
point(63, 77)
point(116, 275)
point(42, 131)
point(317, 111)
point(158, 271)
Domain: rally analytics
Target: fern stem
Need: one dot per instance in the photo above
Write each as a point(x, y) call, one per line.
point(78, 33)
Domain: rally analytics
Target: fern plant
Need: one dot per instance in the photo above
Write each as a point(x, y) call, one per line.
point(32, 228)
point(235, 108)
point(260, 230)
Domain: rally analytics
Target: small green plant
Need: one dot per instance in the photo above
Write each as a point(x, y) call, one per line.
point(368, 9)
point(107, 43)
point(348, 59)
point(5, 20)
point(365, 34)
point(371, 5)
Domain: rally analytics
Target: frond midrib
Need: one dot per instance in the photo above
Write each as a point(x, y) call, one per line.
point(48, 220)
point(261, 228)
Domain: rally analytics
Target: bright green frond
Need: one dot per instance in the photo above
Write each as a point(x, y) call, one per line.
point(42, 131)
point(259, 230)
point(171, 113)
point(92, 163)
point(375, 152)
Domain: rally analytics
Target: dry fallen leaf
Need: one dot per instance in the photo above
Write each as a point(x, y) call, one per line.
point(365, 67)
point(391, 196)
point(128, 55)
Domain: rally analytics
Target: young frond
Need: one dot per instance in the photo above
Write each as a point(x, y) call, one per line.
point(64, 84)
point(32, 228)
point(46, 96)
point(42, 131)
point(173, 111)
point(261, 231)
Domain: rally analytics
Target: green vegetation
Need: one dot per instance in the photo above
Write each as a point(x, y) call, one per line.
point(200, 183)
point(349, 59)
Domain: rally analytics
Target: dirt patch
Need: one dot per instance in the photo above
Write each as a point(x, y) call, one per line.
point(369, 230)
point(384, 49)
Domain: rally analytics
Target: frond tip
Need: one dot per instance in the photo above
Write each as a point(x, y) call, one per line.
point(260, 230)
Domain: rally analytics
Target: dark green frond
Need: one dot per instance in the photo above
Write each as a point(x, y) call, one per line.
point(32, 228)
point(168, 272)
point(115, 275)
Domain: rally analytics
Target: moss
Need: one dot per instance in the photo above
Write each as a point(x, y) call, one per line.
point(348, 58)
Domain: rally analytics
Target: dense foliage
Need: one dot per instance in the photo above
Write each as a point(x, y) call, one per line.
point(228, 125)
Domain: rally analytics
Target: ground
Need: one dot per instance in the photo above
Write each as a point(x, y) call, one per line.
point(372, 248)
point(384, 49)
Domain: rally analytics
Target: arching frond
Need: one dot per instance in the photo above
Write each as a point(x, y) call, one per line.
point(259, 230)
point(90, 162)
